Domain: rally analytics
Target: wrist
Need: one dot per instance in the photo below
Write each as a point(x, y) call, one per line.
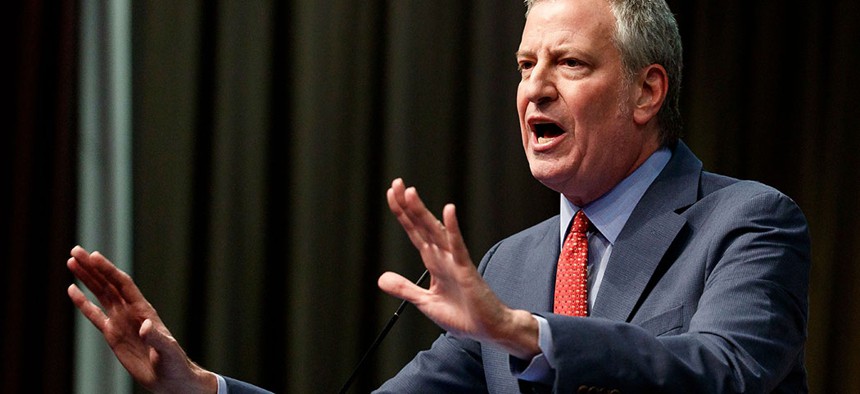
point(519, 335)
point(207, 381)
point(196, 380)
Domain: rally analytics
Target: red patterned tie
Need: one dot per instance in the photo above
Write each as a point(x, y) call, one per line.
point(571, 284)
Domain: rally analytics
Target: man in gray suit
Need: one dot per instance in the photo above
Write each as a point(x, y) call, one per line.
point(690, 281)
point(696, 282)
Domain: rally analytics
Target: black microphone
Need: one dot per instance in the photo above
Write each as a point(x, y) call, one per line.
point(380, 337)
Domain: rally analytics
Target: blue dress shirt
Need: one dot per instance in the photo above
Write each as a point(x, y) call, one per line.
point(608, 215)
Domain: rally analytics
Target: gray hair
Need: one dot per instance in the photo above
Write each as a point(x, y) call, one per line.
point(646, 33)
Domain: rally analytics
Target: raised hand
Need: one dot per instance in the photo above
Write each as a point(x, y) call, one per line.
point(132, 328)
point(458, 299)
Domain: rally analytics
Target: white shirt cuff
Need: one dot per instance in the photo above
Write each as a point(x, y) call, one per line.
point(539, 369)
point(222, 384)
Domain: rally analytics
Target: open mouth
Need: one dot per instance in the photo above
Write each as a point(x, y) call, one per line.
point(546, 132)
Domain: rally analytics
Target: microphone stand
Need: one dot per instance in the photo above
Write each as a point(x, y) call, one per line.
point(380, 337)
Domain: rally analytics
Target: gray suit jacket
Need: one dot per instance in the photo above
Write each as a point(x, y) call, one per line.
point(705, 291)
point(239, 387)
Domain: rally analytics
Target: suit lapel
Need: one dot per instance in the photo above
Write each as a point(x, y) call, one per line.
point(650, 230)
point(540, 266)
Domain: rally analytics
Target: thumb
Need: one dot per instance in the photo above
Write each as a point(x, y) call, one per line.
point(174, 372)
point(162, 342)
point(400, 287)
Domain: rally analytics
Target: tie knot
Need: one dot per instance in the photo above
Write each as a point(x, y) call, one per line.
point(580, 223)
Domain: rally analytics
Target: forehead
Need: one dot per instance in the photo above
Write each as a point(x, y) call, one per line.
point(553, 23)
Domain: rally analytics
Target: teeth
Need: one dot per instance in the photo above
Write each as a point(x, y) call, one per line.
point(543, 140)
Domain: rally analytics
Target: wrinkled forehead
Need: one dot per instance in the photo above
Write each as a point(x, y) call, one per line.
point(559, 22)
point(532, 3)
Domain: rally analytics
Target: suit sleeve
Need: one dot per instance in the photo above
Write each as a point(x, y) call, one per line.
point(451, 365)
point(749, 326)
point(238, 387)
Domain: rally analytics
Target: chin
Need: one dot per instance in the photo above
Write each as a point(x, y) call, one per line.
point(549, 176)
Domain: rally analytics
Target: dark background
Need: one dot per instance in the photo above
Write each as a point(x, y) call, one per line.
point(266, 132)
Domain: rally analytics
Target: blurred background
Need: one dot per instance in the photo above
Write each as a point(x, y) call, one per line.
point(234, 155)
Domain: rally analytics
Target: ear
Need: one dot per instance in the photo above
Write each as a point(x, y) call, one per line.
point(653, 83)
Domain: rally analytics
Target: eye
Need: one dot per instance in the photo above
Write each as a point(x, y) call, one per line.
point(571, 62)
point(524, 65)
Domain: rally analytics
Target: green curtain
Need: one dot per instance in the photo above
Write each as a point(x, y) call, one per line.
point(104, 172)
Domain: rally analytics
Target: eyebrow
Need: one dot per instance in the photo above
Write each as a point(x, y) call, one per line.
point(521, 53)
point(553, 52)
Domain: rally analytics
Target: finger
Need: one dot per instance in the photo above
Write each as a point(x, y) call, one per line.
point(398, 186)
point(403, 219)
point(405, 214)
point(87, 308)
point(455, 237)
point(79, 252)
point(400, 287)
point(105, 293)
point(87, 266)
point(425, 222)
point(395, 199)
point(81, 273)
point(119, 280)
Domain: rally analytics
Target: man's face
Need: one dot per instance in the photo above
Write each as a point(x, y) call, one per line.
point(574, 109)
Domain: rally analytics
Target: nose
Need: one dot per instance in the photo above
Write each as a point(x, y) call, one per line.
point(539, 87)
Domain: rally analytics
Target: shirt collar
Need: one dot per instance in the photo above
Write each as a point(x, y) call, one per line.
point(609, 213)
